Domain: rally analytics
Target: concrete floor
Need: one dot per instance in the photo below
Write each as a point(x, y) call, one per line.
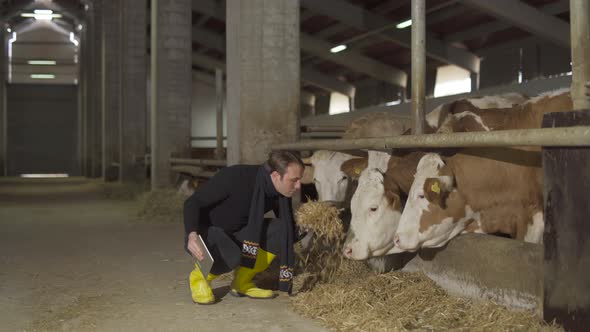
point(71, 260)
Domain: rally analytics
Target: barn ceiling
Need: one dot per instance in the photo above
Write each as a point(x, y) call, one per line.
point(459, 32)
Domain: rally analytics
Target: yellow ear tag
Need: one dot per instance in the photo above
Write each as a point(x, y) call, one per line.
point(435, 188)
point(357, 171)
point(195, 183)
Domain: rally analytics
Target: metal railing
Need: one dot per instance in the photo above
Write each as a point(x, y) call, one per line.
point(565, 136)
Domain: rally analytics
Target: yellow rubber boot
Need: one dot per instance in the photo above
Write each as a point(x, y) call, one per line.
point(200, 289)
point(242, 284)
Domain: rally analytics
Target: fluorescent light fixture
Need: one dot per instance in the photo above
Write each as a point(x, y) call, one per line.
point(43, 11)
point(37, 176)
point(73, 39)
point(43, 76)
point(41, 14)
point(404, 24)
point(42, 62)
point(338, 48)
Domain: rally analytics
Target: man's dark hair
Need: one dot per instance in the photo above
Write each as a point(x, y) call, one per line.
point(279, 160)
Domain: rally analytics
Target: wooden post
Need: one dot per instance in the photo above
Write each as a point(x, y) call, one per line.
point(567, 228)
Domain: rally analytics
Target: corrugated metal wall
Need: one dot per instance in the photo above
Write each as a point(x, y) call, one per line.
point(42, 125)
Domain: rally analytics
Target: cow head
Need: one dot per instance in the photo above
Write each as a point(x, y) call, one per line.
point(435, 211)
point(330, 182)
point(375, 214)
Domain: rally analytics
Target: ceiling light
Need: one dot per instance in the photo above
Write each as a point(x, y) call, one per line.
point(42, 62)
point(36, 176)
point(404, 24)
point(41, 14)
point(43, 11)
point(338, 48)
point(43, 76)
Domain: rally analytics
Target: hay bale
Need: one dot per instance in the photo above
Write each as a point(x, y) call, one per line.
point(346, 295)
point(399, 301)
point(321, 259)
point(161, 206)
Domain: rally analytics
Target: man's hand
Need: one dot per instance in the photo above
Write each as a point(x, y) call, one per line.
point(193, 247)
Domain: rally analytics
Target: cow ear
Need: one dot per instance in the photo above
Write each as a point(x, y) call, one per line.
point(353, 167)
point(393, 199)
point(435, 191)
point(307, 177)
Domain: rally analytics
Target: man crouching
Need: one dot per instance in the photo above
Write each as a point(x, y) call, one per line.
point(228, 213)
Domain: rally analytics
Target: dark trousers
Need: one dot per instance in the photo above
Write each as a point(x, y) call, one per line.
point(226, 248)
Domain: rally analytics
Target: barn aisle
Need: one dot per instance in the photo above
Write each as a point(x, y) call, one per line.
point(72, 260)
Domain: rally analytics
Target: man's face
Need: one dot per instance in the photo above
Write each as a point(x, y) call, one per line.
point(290, 182)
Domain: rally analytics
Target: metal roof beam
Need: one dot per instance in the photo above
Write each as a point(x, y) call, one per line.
point(491, 27)
point(354, 60)
point(360, 18)
point(326, 82)
point(526, 17)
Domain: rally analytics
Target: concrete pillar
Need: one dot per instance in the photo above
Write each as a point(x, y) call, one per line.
point(3, 78)
point(87, 59)
point(94, 110)
point(263, 78)
point(171, 88)
point(322, 103)
point(111, 89)
point(220, 98)
point(474, 81)
point(83, 98)
point(134, 92)
point(84, 94)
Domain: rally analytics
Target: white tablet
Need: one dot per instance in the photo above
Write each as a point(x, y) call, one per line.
point(207, 262)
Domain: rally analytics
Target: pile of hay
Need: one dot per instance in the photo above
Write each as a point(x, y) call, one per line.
point(321, 258)
point(347, 296)
point(161, 206)
point(399, 301)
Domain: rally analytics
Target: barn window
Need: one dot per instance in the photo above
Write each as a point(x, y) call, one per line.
point(339, 103)
point(451, 80)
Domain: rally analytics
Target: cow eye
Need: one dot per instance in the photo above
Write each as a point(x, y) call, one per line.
point(421, 196)
point(373, 209)
point(315, 180)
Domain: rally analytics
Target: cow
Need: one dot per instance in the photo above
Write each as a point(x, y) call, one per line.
point(376, 205)
point(493, 190)
point(463, 116)
point(376, 124)
point(395, 182)
point(325, 172)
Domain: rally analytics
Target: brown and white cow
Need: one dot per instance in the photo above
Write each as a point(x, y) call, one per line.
point(395, 180)
point(463, 116)
point(494, 190)
point(325, 172)
point(376, 205)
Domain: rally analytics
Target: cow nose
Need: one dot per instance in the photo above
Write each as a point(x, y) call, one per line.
point(347, 252)
point(396, 239)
